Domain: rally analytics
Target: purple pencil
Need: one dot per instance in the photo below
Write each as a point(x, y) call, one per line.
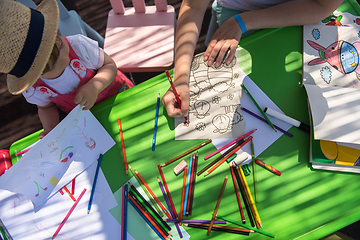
point(169, 206)
point(193, 221)
point(264, 120)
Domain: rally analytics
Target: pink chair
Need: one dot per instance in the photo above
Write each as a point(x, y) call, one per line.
point(141, 38)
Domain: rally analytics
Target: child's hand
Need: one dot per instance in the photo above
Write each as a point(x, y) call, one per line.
point(86, 96)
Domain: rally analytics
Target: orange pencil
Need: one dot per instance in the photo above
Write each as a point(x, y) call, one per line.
point(123, 146)
point(183, 194)
point(67, 190)
point(167, 191)
point(217, 205)
point(227, 156)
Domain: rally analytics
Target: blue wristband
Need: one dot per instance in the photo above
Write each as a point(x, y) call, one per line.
point(240, 22)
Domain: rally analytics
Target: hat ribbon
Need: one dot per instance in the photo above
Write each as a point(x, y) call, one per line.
point(31, 45)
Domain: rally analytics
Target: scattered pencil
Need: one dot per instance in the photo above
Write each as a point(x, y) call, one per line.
point(123, 146)
point(193, 183)
point(183, 194)
point(68, 192)
point(69, 213)
point(124, 212)
point(217, 205)
point(220, 228)
point(187, 152)
point(237, 195)
point(94, 183)
point(188, 179)
point(268, 167)
point(156, 121)
point(168, 192)
point(193, 221)
point(73, 186)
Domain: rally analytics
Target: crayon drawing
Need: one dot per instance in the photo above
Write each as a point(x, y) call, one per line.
point(214, 108)
point(67, 150)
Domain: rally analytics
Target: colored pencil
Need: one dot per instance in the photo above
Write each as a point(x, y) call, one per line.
point(254, 170)
point(217, 205)
point(61, 191)
point(169, 206)
point(151, 195)
point(167, 191)
point(124, 212)
point(187, 186)
point(230, 143)
point(220, 157)
point(241, 188)
point(123, 146)
point(264, 120)
point(246, 226)
point(22, 152)
point(156, 121)
point(193, 183)
point(250, 198)
point(220, 228)
point(4, 232)
point(68, 192)
point(94, 183)
point(183, 194)
point(148, 215)
point(73, 186)
point(246, 140)
point(175, 92)
point(258, 107)
point(148, 206)
point(193, 221)
point(186, 153)
point(69, 213)
point(237, 194)
point(131, 201)
point(268, 167)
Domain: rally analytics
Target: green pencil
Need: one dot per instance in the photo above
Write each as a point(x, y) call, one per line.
point(257, 105)
point(246, 226)
point(253, 166)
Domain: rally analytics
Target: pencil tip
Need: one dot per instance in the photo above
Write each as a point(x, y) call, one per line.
point(127, 173)
point(88, 211)
point(274, 129)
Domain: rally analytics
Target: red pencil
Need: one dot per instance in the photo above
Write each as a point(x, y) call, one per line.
point(73, 186)
point(175, 92)
point(183, 194)
point(237, 194)
point(123, 146)
point(167, 191)
point(68, 214)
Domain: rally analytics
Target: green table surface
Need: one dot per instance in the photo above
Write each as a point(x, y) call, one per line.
point(302, 203)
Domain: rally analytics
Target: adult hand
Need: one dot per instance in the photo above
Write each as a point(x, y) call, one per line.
point(226, 37)
point(171, 104)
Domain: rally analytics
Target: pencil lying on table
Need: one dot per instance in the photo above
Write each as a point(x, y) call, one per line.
point(227, 229)
point(123, 146)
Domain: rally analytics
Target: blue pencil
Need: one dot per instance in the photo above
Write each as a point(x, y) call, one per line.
point(124, 215)
point(94, 183)
point(156, 121)
point(187, 185)
point(147, 221)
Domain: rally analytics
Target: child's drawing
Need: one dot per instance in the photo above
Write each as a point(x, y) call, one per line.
point(213, 92)
point(68, 148)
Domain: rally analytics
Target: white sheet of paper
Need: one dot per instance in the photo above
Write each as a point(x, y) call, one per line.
point(264, 136)
point(137, 226)
point(214, 102)
point(16, 211)
point(72, 146)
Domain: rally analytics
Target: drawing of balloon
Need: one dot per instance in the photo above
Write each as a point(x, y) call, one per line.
point(325, 73)
point(221, 123)
point(233, 112)
point(201, 109)
point(53, 181)
point(38, 189)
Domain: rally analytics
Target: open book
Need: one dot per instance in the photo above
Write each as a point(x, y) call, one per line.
point(331, 76)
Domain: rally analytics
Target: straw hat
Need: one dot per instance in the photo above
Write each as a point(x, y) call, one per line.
point(27, 38)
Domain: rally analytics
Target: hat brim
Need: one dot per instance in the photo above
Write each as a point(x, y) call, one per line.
point(50, 11)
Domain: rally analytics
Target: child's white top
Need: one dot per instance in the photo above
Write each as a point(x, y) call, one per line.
point(89, 54)
point(248, 5)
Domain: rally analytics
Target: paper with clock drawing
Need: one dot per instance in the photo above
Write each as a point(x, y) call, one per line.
point(73, 145)
point(215, 95)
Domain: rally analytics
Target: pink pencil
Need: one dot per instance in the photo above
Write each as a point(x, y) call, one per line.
point(22, 152)
point(68, 214)
point(229, 144)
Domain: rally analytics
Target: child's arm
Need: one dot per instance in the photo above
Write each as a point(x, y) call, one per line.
point(49, 117)
point(87, 94)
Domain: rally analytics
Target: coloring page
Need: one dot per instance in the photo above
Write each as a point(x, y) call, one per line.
point(339, 19)
point(215, 94)
point(73, 145)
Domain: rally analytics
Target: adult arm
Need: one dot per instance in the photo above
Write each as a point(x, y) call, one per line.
point(292, 13)
point(191, 15)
